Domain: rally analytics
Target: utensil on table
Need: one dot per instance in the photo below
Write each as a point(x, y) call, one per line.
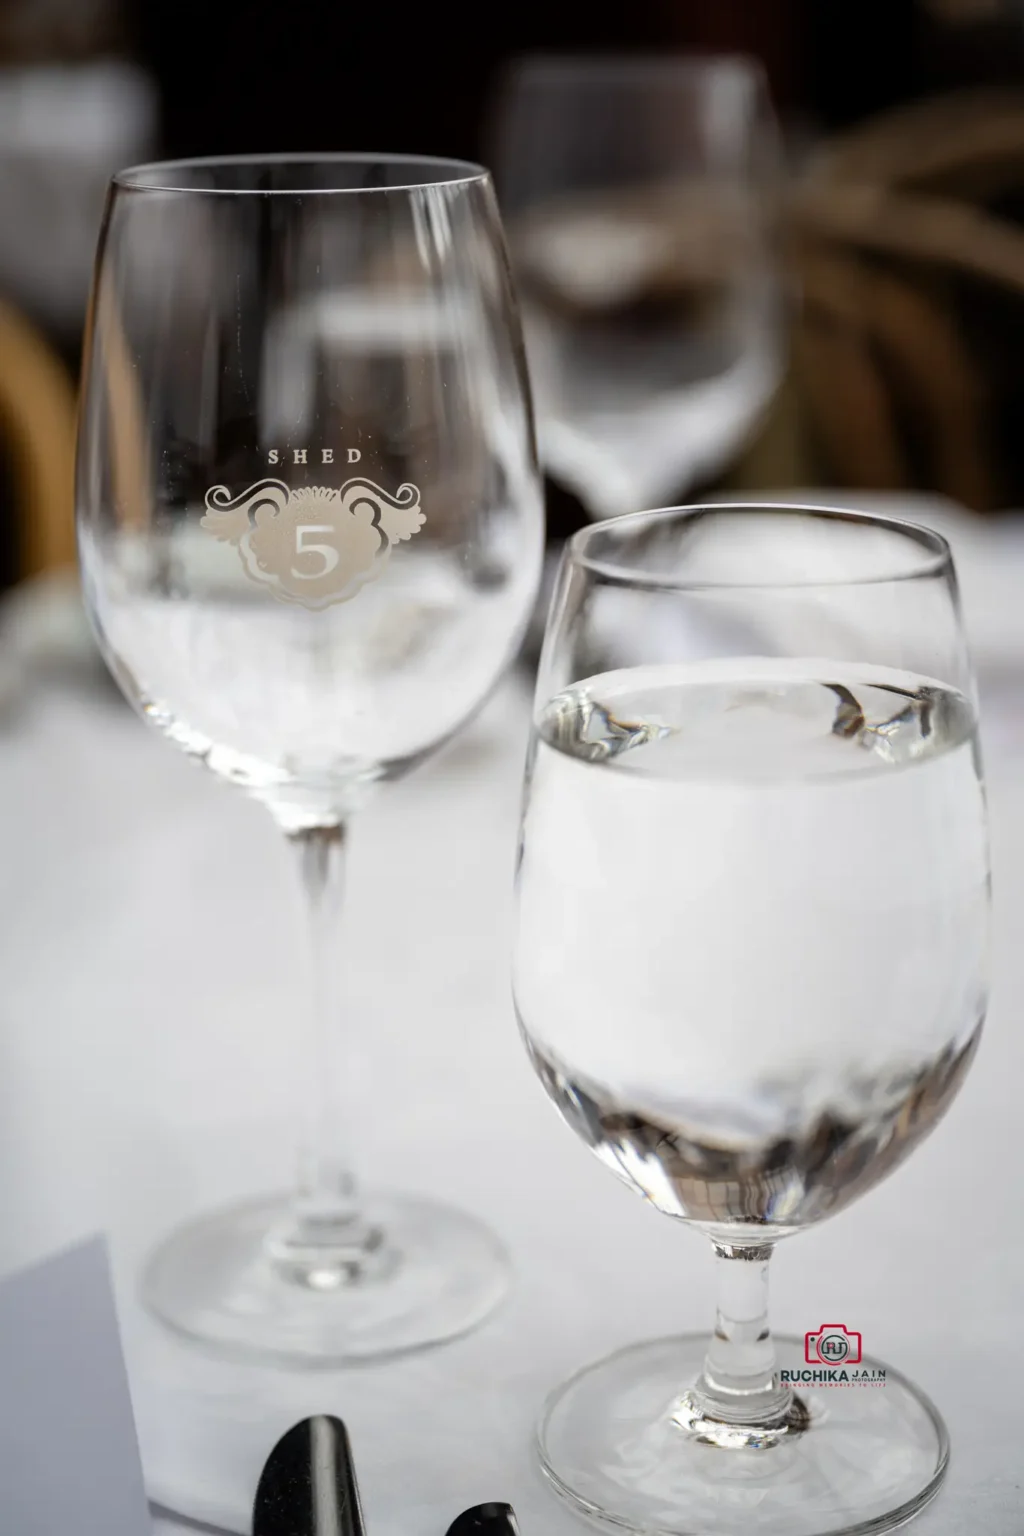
point(485, 1520)
point(308, 1485)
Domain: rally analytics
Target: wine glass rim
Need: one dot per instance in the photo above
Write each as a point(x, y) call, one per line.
point(167, 175)
point(936, 557)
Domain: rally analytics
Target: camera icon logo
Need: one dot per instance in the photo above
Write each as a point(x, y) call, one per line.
point(832, 1344)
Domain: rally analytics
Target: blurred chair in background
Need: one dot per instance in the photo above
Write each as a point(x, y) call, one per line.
point(37, 441)
point(911, 258)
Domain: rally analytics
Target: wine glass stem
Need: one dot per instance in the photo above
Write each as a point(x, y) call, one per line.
point(326, 1240)
point(326, 1181)
point(739, 1388)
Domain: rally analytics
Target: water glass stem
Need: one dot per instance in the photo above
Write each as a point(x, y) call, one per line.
point(739, 1398)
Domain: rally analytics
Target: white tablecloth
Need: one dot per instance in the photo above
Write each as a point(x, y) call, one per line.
point(148, 956)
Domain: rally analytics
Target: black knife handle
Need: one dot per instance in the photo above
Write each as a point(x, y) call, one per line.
point(485, 1520)
point(308, 1486)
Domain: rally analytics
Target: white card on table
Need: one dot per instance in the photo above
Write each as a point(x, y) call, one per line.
point(69, 1458)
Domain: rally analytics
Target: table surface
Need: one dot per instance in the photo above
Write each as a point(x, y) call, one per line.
point(149, 955)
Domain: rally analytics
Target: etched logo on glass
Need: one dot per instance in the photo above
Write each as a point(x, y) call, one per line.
point(316, 545)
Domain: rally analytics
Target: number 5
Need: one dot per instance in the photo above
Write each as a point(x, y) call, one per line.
point(327, 552)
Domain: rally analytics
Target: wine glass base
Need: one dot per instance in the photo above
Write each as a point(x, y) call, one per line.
point(213, 1281)
point(870, 1458)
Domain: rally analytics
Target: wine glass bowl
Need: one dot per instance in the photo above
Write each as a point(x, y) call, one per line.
point(368, 390)
point(751, 965)
point(311, 530)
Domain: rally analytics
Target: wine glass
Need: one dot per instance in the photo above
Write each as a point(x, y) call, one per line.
point(311, 529)
point(639, 196)
point(750, 971)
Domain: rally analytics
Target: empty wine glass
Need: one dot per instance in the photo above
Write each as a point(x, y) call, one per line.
point(750, 970)
point(310, 530)
point(639, 199)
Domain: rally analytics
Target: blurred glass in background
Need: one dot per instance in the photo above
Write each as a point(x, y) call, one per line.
point(64, 129)
point(74, 105)
point(641, 202)
point(71, 113)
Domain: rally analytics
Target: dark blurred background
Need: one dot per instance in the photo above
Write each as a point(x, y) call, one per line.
point(251, 77)
point(904, 370)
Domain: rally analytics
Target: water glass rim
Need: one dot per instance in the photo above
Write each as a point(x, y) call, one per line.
point(419, 171)
point(934, 558)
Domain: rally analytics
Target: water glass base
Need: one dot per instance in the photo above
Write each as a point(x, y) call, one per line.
point(440, 1273)
point(612, 1445)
